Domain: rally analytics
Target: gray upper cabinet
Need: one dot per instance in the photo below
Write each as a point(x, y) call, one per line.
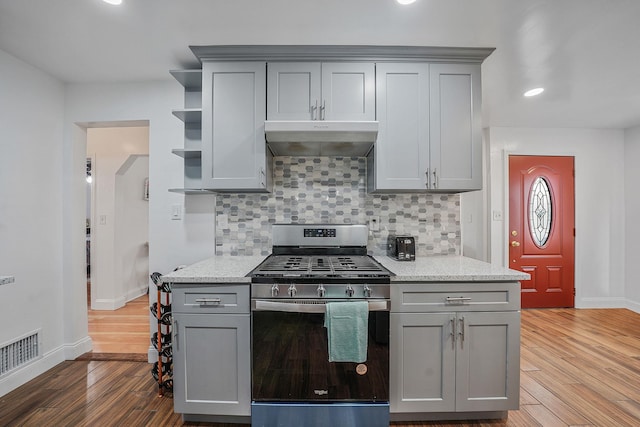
point(429, 136)
point(234, 153)
point(321, 91)
point(401, 153)
point(426, 101)
point(455, 127)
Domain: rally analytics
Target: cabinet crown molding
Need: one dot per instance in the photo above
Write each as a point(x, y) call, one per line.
point(341, 53)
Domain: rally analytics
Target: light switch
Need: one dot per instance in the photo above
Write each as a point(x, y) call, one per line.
point(176, 212)
point(103, 220)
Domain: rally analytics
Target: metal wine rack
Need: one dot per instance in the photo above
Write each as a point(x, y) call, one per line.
point(162, 370)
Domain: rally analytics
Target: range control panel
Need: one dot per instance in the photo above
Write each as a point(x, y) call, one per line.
point(319, 232)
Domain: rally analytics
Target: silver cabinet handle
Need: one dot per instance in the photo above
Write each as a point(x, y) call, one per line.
point(428, 178)
point(203, 301)
point(435, 178)
point(459, 300)
point(322, 110)
point(453, 332)
point(175, 334)
point(262, 177)
point(307, 306)
point(461, 332)
point(314, 110)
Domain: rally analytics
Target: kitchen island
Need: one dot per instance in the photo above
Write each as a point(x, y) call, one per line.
point(454, 338)
point(226, 269)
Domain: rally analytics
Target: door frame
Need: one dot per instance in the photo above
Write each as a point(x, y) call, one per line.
point(505, 201)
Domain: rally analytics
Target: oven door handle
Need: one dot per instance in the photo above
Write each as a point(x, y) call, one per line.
point(296, 307)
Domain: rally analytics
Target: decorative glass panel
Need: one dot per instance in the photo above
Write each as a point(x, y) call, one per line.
point(540, 212)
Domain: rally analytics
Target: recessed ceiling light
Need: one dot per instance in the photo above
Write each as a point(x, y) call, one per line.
point(406, 1)
point(114, 2)
point(534, 92)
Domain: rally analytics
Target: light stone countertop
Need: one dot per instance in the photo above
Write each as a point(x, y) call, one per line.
point(233, 269)
point(218, 269)
point(5, 280)
point(448, 269)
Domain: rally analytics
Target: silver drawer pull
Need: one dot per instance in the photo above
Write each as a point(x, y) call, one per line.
point(457, 299)
point(208, 300)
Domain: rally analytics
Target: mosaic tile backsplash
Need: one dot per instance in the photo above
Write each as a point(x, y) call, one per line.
point(333, 190)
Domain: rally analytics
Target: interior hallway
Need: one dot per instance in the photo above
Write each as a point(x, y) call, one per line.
point(121, 331)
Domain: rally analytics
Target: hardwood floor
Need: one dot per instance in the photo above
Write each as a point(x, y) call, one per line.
point(125, 330)
point(578, 368)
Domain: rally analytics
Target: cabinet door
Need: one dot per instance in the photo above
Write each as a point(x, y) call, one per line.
point(456, 134)
point(402, 148)
point(234, 151)
point(422, 362)
point(211, 363)
point(488, 361)
point(293, 90)
point(348, 91)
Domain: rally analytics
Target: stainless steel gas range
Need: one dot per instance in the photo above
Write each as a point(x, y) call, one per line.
point(313, 267)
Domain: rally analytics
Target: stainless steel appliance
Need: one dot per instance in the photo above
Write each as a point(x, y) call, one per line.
point(402, 248)
point(293, 382)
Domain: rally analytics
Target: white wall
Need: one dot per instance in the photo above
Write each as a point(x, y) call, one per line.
point(599, 203)
point(31, 213)
point(632, 215)
point(171, 242)
point(132, 225)
point(116, 236)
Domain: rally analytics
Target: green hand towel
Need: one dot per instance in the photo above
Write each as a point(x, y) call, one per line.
point(347, 326)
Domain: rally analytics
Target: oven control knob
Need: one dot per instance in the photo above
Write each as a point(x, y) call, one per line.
point(274, 290)
point(349, 291)
point(321, 291)
point(367, 291)
point(292, 291)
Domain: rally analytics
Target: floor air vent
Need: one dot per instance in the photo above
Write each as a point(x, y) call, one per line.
point(19, 352)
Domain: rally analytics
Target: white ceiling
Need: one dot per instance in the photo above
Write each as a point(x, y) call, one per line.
point(586, 53)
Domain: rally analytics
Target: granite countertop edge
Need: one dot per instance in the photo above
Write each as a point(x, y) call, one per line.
point(234, 269)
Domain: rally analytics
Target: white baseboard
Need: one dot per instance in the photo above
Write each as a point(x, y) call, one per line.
point(114, 304)
point(135, 293)
point(31, 370)
point(607, 302)
point(78, 348)
point(152, 354)
point(108, 304)
point(633, 306)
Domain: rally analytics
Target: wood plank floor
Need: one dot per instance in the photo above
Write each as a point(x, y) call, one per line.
point(125, 330)
point(578, 368)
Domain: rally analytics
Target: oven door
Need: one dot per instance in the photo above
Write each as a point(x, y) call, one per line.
point(291, 361)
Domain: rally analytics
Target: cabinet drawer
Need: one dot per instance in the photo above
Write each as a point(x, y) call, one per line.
point(477, 296)
point(210, 299)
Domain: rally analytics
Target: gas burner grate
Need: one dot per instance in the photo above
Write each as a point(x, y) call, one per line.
point(328, 266)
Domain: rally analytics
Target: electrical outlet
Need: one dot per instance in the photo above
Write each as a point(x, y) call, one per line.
point(374, 223)
point(497, 215)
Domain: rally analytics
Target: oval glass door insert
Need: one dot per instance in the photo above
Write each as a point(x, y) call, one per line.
point(540, 211)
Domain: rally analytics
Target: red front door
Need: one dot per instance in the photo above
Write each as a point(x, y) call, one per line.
point(541, 228)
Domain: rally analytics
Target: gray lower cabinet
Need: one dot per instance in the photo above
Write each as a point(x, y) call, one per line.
point(235, 156)
point(447, 355)
point(211, 350)
point(429, 135)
